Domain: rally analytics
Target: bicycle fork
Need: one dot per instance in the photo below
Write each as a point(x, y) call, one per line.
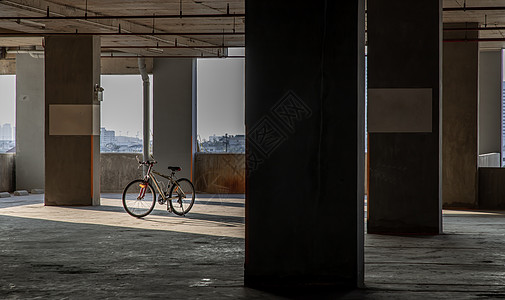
point(142, 193)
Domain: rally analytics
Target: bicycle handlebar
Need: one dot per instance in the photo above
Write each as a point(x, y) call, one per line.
point(149, 162)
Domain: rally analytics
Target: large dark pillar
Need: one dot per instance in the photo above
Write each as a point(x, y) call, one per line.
point(72, 141)
point(460, 104)
point(404, 79)
point(305, 143)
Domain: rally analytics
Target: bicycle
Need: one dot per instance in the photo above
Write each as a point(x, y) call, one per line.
point(139, 196)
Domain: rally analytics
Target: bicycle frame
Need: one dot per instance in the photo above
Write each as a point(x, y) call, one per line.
point(150, 175)
point(139, 204)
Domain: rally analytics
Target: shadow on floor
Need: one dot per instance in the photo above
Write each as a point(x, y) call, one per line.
point(51, 259)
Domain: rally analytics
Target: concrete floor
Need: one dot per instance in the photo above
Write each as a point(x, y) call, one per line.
point(102, 252)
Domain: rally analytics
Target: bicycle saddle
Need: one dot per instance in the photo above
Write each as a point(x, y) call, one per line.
point(174, 169)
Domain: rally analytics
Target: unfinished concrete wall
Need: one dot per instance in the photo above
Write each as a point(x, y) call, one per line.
point(7, 183)
point(117, 169)
point(220, 173)
point(491, 188)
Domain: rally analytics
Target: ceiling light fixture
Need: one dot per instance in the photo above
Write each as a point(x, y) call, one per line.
point(31, 24)
point(155, 50)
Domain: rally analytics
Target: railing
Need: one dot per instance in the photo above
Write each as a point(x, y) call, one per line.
point(489, 160)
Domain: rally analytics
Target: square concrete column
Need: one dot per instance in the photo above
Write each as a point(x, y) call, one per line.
point(72, 68)
point(305, 143)
point(174, 114)
point(490, 102)
point(30, 114)
point(404, 80)
point(460, 117)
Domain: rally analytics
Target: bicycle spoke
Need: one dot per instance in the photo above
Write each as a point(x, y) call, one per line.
point(138, 198)
point(182, 197)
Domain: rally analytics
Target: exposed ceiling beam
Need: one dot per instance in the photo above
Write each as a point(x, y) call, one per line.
point(475, 8)
point(104, 17)
point(182, 34)
point(172, 56)
point(59, 10)
point(475, 40)
point(474, 28)
point(172, 47)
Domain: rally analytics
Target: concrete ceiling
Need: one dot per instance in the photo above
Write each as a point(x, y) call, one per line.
point(191, 35)
point(224, 30)
point(485, 18)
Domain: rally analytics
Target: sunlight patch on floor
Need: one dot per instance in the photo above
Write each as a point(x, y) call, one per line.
point(215, 219)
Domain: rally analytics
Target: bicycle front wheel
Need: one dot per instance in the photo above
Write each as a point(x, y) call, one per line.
point(139, 198)
point(182, 197)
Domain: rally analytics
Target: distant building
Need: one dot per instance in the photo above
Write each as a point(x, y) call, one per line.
point(109, 142)
point(107, 136)
point(6, 132)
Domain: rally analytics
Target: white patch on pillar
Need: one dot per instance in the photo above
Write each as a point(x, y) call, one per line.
point(400, 110)
point(74, 119)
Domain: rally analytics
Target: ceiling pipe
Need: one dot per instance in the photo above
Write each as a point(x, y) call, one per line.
point(121, 55)
point(40, 54)
point(475, 28)
point(92, 23)
point(32, 53)
point(172, 47)
point(146, 108)
point(100, 17)
point(475, 40)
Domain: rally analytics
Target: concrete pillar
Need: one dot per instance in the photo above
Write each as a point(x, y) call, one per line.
point(305, 143)
point(460, 118)
point(72, 68)
point(174, 114)
point(29, 122)
point(404, 79)
point(490, 117)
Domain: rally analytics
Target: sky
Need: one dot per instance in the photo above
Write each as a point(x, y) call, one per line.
point(122, 104)
point(220, 99)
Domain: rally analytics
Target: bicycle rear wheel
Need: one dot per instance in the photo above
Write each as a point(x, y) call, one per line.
point(139, 198)
point(183, 193)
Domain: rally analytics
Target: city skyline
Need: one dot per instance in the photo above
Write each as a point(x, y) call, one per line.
point(220, 104)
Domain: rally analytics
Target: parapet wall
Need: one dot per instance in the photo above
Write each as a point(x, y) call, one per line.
point(219, 173)
point(117, 169)
point(7, 174)
point(214, 173)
